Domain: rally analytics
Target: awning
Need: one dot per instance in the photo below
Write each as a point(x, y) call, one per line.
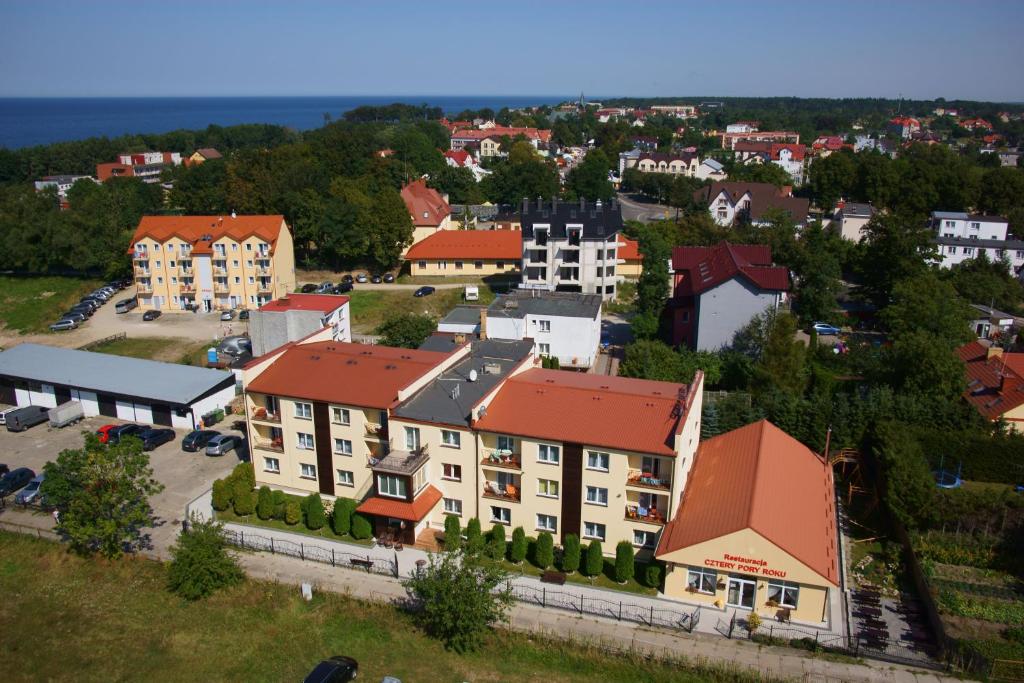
point(400, 509)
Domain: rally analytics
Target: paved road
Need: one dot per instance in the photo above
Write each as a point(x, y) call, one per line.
point(633, 210)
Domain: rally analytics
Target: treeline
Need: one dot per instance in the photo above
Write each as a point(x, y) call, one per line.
point(392, 113)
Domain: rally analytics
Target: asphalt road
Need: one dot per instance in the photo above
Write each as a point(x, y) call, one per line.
point(633, 210)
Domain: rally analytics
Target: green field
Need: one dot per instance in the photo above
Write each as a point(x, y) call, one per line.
point(32, 304)
point(167, 349)
point(369, 308)
point(67, 618)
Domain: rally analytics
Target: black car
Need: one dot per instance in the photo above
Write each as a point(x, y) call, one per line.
point(82, 308)
point(388, 277)
point(197, 440)
point(243, 314)
point(308, 288)
point(17, 479)
point(77, 316)
point(151, 438)
point(347, 278)
point(334, 670)
point(376, 279)
point(151, 315)
point(424, 291)
point(91, 302)
point(342, 288)
point(117, 433)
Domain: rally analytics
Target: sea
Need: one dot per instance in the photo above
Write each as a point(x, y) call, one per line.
point(25, 122)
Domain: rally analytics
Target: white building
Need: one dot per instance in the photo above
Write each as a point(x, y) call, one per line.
point(961, 237)
point(562, 325)
point(295, 316)
point(851, 218)
point(730, 202)
point(711, 169)
point(62, 183)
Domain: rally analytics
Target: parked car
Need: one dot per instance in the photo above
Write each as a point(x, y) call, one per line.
point(91, 303)
point(324, 288)
point(77, 316)
point(14, 480)
point(151, 314)
point(62, 325)
point(30, 493)
point(308, 288)
point(337, 669)
point(103, 433)
point(125, 305)
point(228, 315)
point(21, 419)
point(361, 277)
point(121, 431)
point(3, 415)
point(376, 279)
point(84, 309)
point(343, 287)
point(223, 443)
point(243, 314)
point(606, 342)
point(198, 439)
point(388, 277)
point(151, 438)
point(347, 278)
point(424, 291)
point(826, 329)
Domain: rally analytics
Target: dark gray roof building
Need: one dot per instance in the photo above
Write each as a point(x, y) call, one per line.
point(598, 221)
point(519, 303)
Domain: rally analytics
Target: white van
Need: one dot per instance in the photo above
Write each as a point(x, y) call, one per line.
point(472, 293)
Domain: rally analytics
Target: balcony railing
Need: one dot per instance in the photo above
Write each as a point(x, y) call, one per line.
point(141, 256)
point(144, 288)
point(145, 272)
point(263, 271)
point(503, 459)
point(264, 286)
point(264, 415)
point(220, 289)
point(184, 270)
point(275, 445)
point(642, 514)
point(646, 480)
point(220, 271)
point(509, 492)
point(187, 289)
point(375, 431)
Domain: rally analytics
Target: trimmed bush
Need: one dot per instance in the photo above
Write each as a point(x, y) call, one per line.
point(221, 495)
point(361, 528)
point(496, 544)
point(653, 575)
point(341, 518)
point(624, 559)
point(279, 497)
point(245, 503)
point(595, 559)
point(238, 489)
point(264, 503)
point(474, 536)
point(292, 512)
point(544, 551)
point(201, 563)
point(280, 510)
point(245, 473)
point(452, 533)
point(315, 517)
point(571, 553)
point(517, 553)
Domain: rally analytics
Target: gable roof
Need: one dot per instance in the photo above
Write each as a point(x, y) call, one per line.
point(192, 229)
point(469, 244)
point(760, 478)
point(425, 204)
point(702, 268)
point(995, 384)
point(209, 153)
point(797, 151)
point(631, 250)
point(459, 156)
point(763, 196)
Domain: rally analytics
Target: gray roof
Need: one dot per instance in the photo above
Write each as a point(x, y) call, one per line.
point(439, 341)
point(105, 373)
point(963, 216)
point(519, 303)
point(599, 221)
point(450, 397)
point(857, 210)
point(990, 312)
point(463, 315)
point(713, 164)
point(968, 242)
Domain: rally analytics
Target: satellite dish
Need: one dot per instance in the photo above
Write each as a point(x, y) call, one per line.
point(472, 375)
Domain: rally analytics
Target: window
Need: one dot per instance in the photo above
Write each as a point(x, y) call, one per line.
point(451, 472)
point(345, 478)
point(701, 580)
point(422, 265)
point(340, 416)
point(974, 237)
point(1020, 254)
point(547, 523)
point(252, 280)
point(157, 264)
point(975, 226)
point(597, 495)
point(412, 439)
point(501, 515)
point(304, 410)
point(548, 454)
point(391, 485)
point(159, 280)
point(170, 264)
point(248, 247)
point(453, 506)
point(272, 465)
point(597, 461)
point(784, 593)
point(479, 265)
point(544, 325)
point(451, 438)
point(305, 441)
point(969, 251)
point(500, 265)
point(419, 480)
point(593, 530)
point(458, 265)
point(307, 471)
point(951, 250)
point(506, 443)
point(547, 488)
point(643, 539)
point(343, 446)
point(442, 265)
point(544, 349)
point(238, 280)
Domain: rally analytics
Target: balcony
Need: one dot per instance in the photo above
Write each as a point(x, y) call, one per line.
point(220, 271)
point(504, 459)
point(507, 492)
point(273, 445)
point(376, 431)
point(144, 272)
point(537, 256)
point(263, 415)
point(647, 481)
point(144, 288)
point(638, 513)
point(400, 462)
point(187, 271)
point(141, 255)
point(220, 288)
point(265, 272)
point(264, 286)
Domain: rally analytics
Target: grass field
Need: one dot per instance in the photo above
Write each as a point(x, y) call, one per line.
point(369, 308)
point(32, 304)
point(91, 620)
point(167, 349)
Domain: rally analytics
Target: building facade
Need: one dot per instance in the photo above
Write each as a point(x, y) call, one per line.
point(561, 325)
point(296, 316)
point(458, 253)
point(731, 202)
point(961, 237)
point(851, 218)
point(428, 209)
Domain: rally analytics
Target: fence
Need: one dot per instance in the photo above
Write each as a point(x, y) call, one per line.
point(311, 552)
point(29, 530)
point(649, 615)
point(99, 342)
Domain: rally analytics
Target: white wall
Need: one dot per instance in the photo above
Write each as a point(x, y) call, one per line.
point(45, 397)
point(569, 338)
point(200, 408)
point(90, 402)
point(125, 410)
point(143, 413)
point(21, 397)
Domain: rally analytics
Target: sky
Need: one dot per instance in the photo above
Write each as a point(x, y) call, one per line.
point(871, 48)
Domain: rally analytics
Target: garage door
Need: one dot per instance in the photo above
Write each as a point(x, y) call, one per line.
point(125, 410)
point(143, 413)
point(63, 394)
point(107, 405)
point(161, 414)
point(7, 392)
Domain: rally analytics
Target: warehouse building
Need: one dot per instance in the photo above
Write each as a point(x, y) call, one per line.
point(115, 386)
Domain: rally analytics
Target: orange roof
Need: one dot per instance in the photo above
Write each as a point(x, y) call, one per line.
point(425, 204)
point(399, 509)
point(994, 385)
point(350, 374)
point(615, 412)
point(630, 252)
point(760, 478)
point(324, 303)
point(191, 229)
point(469, 244)
point(499, 131)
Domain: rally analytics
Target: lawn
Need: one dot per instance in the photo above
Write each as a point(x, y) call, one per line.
point(369, 308)
point(167, 349)
point(92, 620)
point(325, 533)
point(32, 304)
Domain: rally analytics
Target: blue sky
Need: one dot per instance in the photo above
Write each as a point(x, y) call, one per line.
point(308, 47)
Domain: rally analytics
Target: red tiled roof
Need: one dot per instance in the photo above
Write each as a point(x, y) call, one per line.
point(705, 267)
point(760, 478)
point(614, 412)
point(350, 374)
point(324, 303)
point(192, 228)
point(399, 509)
point(753, 147)
point(209, 153)
point(830, 142)
point(425, 204)
point(994, 385)
point(459, 156)
point(498, 131)
point(797, 150)
point(904, 121)
point(469, 244)
point(630, 252)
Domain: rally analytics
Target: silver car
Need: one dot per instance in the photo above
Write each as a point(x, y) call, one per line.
point(62, 325)
point(30, 493)
point(222, 444)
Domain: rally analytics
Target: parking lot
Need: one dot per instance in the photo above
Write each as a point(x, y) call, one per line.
point(184, 475)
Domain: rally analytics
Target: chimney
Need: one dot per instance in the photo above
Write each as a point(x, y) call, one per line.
point(526, 205)
point(994, 352)
point(583, 204)
point(786, 191)
point(234, 215)
point(483, 323)
point(554, 205)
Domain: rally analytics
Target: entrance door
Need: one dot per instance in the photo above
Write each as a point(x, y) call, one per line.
point(161, 414)
point(108, 406)
point(741, 593)
point(207, 306)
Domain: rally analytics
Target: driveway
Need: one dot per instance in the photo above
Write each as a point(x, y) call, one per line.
point(645, 212)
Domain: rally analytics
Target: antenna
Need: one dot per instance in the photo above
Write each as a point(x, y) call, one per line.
point(472, 375)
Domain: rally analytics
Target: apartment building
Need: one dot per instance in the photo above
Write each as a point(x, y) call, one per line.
point(676, 163)
point(960, 237)
point(562, 325)
point(208, 263)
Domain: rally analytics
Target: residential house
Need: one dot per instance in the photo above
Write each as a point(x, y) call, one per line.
point(730, 139)
point(676, 163)
point(296, 316)
point(904, 126)
point(717, 290)
point(463, 159)
point(866, 143)
point(850, 219)
point(961, 236)
point(631, 261)
point(202, 154)
point(460, 138)
point(990, 323)
point(975, 124)
point(743, 127)
point(210, 263)
point(995, 382)
point(458, 253)
point(62, 184)
point(711, 169)
point(562, 325)
point(148, 166)
point(679, 111)
point(788, 157)
point(428, 209)
point(729, 202)
point(825, 145)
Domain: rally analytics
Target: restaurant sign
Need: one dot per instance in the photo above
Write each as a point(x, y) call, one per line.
point(747, 565)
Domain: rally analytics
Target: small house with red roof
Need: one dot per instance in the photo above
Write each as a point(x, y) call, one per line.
point(995, 382)
point(428, 209)
point(458, 253)
point(295, 316)
point(975, 124)
point(904, 126)
point(717, 290)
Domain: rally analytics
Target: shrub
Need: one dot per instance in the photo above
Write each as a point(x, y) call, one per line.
point(292, 512)
point(201, 562)
point(595, 559)
point(279, 497)
point(315, 517)
point(496, 542)
point(474, 537)
point(221, 495)
point(245, 502)
point(280, 510)
point(753, 622)
point(341, 518)
point(544, 551)
point(624, 559)
point(517, 553)
point(653, 575)
point(452, 533)
point(571, 553)
point(238, 489)
point(265, 503)
point(244, 473)
point(361, 528)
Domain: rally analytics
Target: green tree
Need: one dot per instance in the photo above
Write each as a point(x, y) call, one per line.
point(315, 517)
point(910, 492)
point(496, 544)
point(653, 575)
point(341, 516)
point(570, 553)
point(819, 273)
point(782, 361)
point(900, 243)
point(361, 529)
point(589, 179)
point(760, 173)
point(832, 178)
point(474, 536)
point(544, 550)
point(245, 500)
point(265, 503)
point(102, 492)
point(407, 330)
point(523, 175)
point(221, 495)
point(459, 184)
point(624, 559)
point(982, 281)
point(517, 551)
point(200, 561)
point(595, 559)
point(926, 303)
point(452, 533)
point(651, 359)
point(459, 597)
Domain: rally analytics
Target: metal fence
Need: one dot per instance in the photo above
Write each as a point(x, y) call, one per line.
point(311, 552)
point(649, 615)
point(100, 342)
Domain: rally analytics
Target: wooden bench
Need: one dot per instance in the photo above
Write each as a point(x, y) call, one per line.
point(365, 564)
point(554, 577)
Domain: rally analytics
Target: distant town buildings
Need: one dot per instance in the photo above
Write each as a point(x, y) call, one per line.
point(146, 166)
point(729, 202)
point(61, 184)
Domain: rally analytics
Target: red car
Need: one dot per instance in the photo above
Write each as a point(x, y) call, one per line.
point(104, 433)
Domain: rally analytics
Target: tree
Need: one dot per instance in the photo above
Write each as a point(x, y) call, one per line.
point(544, 550)
point(245, 500)
point(819, 272)
point(760, 173)
point(407, 330)
point(570, 553)
point(523, 175)
point(221, 495)
point(361, 529)
point(753, 622)
point(653, 575)
point(292, 512)
point(782, 361)
point(496, 544)
point(926, 303)
point(452, 533)
point(474, 536)
point(589, 179)
point(341, 516)
point(651, 359)
point(459, 184)
point(315, 517)
point(624, 559)
point(201, 563)
point(459, 598)
point(102, 492)
point(832, 178)
point(909, 489)
point(595, 559)
point(899, 243)
point(265, 503)
point(983, 281)
point(517, 552)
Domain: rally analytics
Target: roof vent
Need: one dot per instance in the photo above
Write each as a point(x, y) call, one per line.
point(351, 361)
point(550, 381)
point(605, 386)
point(390, 366)
point(314, 357)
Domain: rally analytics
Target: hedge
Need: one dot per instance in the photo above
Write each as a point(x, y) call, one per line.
point(571, 553)
point(452, 533)
point(474, 536)
point(624, 559)
point(361, 529)
point(544, 550)
point(517, 552)
point(595, 559)
point(265, 503)
point(315, 517)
